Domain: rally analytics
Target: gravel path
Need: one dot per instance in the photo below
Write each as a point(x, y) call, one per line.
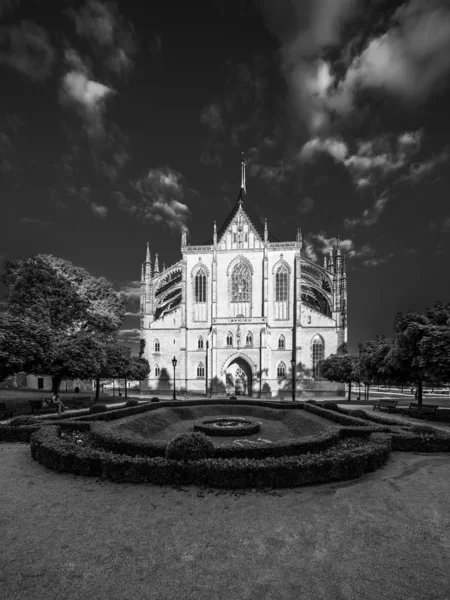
point(386, 535)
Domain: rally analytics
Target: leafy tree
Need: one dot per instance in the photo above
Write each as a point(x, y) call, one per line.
point(23, 343)
point(373, 366)
point(341, 368)
point(79, 311)
point(421, 349)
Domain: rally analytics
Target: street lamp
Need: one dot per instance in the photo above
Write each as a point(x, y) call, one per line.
point(174, 363)
point(293, 379)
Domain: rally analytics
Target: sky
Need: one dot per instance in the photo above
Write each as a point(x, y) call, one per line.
point(124, 122)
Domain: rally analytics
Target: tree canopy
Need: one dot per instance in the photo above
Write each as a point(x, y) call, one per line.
point(64, 316)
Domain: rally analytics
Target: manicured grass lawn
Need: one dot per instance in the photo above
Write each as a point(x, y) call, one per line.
point(386, 535)
point(165, 423)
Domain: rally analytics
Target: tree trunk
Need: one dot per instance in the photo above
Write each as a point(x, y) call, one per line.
point(97, 389)
point(114, 391)
point(349, 391)
point(419, 391)
point(125, 382)
point(56, 382)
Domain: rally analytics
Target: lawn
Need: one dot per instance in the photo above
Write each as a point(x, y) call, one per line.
point(386, 535)
point(165, 423)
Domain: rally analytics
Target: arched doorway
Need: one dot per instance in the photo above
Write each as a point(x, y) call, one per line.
point(238, 377)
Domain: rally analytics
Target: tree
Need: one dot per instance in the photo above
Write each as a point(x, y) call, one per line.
point(421, 349)
point(372, 364)
point(24, 342)
point(79, 311)
point(342, 369)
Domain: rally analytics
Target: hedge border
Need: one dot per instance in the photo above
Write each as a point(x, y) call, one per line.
point(288, 471)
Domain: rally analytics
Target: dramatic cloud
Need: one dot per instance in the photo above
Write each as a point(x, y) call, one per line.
point(27, 49)
point(371, 215)
point(317, 245)
point(88, 97)
point(157, 198)
point(372, 159)
point(408, 59)
point(111, 37)
point(419, 171)
point(131, 289)
point(130, 336)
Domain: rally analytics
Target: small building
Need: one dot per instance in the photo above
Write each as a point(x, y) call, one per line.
point(44, 383)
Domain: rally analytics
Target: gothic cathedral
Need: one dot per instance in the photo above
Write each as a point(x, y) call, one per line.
point(244, 314)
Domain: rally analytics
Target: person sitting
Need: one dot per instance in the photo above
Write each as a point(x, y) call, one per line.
point(56, 400)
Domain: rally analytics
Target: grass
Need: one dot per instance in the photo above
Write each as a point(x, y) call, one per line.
point(386, 535)
point(165, 423)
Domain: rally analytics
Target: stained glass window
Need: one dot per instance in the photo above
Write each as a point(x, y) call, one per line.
point(200, 343)
point(157, 346)
point(281, 370)
point(281, 342)
point(318, 352)
point(240, 283)
point(281, 285)
point(200, 286)
point(157, 371)
point(200, 370)
point(229, 339)
point(249, 339)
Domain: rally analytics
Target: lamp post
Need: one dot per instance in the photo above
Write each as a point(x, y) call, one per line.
point(174, 363)
point(293, 379)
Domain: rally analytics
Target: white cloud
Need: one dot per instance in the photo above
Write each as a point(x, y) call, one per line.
point(131, 289)
point(316, 245)
point(88, 97)
point(371, 215)
point(418, 171)
point(335, 147)
point(38, 222)
point(99, 210)
point(158, 198)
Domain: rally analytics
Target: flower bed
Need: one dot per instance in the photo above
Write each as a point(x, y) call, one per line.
point(227, 426)
point(345, 460)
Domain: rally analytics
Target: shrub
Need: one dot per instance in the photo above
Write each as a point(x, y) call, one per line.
point(154, 399)
point(346, 460)
point(233, 398)
point(189, 446)
point(359, 414)
point(132, 402)
point(98, 408)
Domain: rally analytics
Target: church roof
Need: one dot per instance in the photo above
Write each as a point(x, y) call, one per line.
point(253, 218)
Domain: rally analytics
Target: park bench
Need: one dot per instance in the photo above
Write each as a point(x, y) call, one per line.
point(421, 410)
point(385, 403)
point(4, 412)
point(82, 401)
point(38, 406)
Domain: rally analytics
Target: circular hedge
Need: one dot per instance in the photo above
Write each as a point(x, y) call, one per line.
point(228, 426)
point(348, 459)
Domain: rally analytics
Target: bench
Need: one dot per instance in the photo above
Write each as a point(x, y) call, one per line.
point(421, 410)
point(5, 412)
point(82, 401)
point(37, 406)
point(385, 403)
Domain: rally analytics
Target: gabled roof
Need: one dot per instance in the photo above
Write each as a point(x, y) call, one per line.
point(252, 217)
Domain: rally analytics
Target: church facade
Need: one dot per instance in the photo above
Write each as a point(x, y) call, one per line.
point(243, 314)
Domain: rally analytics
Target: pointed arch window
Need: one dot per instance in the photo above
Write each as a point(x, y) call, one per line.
point(157, 371)
point(200, 286)
point(156, 346)
point(281, 342)
point(240, 283)
point(249, 339)
point(281, 369)
point(318, 354)
point(200, 342)
point(229, 339)
point(200, 370)
point(281, 284)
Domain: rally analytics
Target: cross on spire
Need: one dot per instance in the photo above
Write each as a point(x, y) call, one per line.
point(243, 173)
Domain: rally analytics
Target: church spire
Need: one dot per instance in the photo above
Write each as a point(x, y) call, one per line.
point(243, 175)
point(156, 264)
point(148, 264)
point(266, 232)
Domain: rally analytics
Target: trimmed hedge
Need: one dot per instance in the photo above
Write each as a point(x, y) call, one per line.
point(190, 446)
point(333, 415)
point(347, 460)
point(132, 402)
point(124, 442)
point(246, 427)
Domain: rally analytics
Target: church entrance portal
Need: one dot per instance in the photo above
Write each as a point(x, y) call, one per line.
point(239, 378)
